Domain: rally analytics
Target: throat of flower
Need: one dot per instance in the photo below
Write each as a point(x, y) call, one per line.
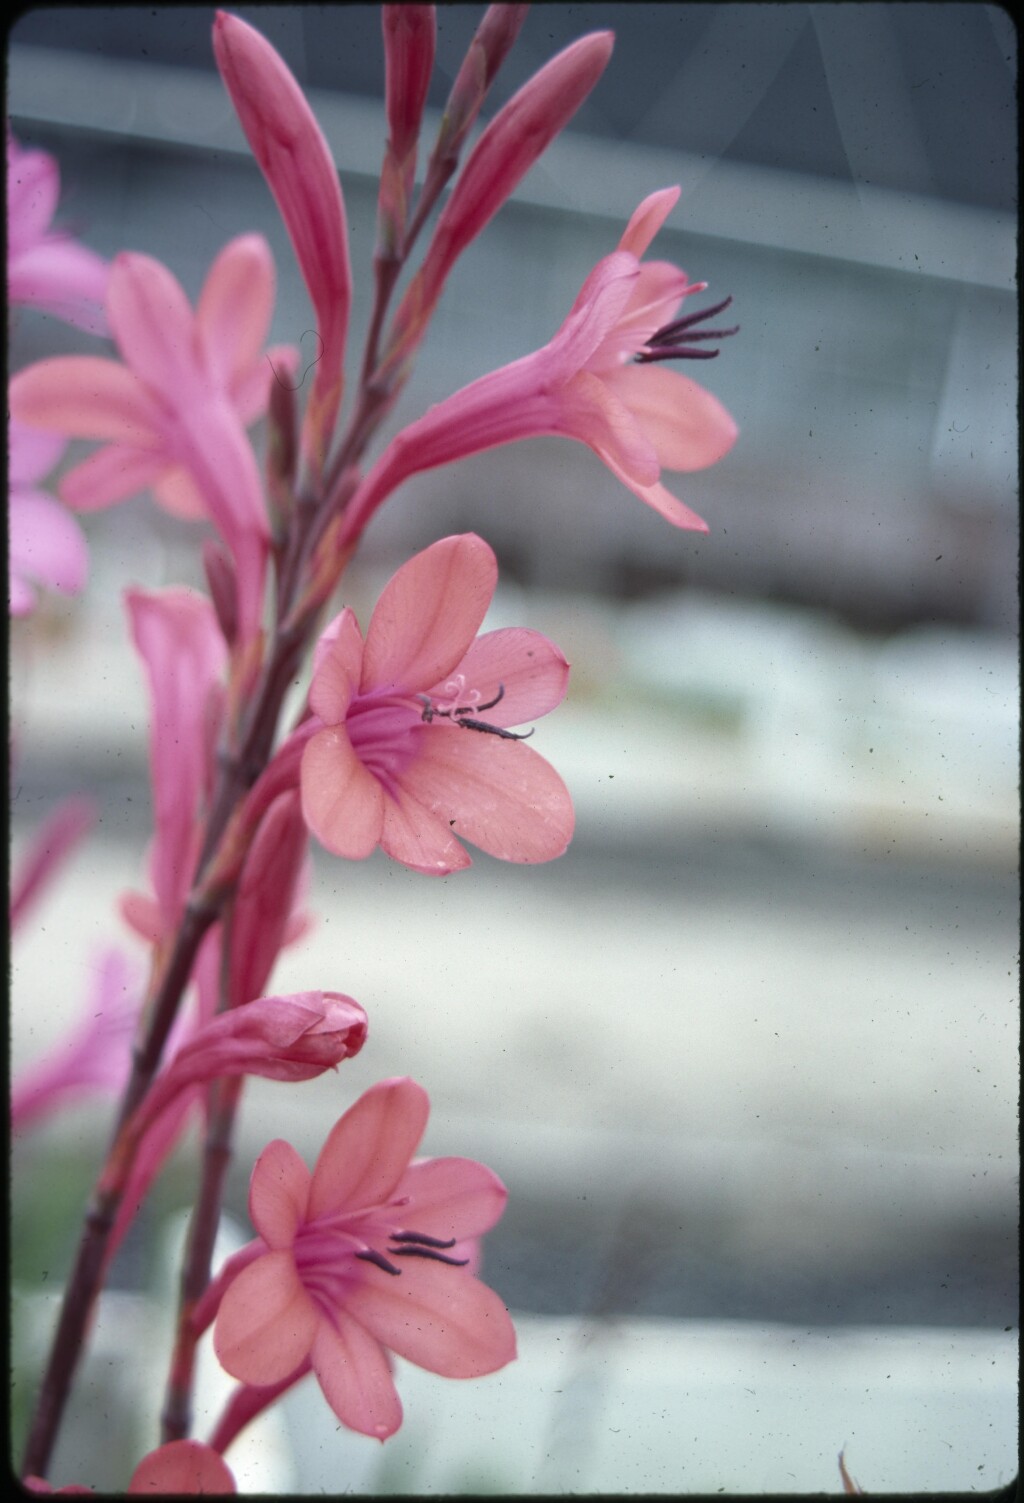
point(679, 340)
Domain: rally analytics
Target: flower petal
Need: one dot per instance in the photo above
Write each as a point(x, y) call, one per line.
point(428, 614)
point(45, 542)
point(688, 427)
point(182, 1466)
point(112, 474)
point(235, 306)
point(369, 1148)
point(355, 1375)
point(529, 667)
point(419, 838)
point(660, 499)
point(647, 220)
point(84, 396)
point(499, 795)
point(439, 1317)
point(342, 802)
point(594, 414)
point(337, 664)
point(278, 1192)
point(451, 1198)
point(154, 327)
point(266, 1323)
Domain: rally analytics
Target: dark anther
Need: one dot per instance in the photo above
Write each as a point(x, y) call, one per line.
point(427, 1252)
point(460, 716)
point(372, 1256)
point(676, 341)
point(422, 1238)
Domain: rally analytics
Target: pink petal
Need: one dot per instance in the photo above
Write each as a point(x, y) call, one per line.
point(182, 1466)
point(154, 327)
point(409, 39)
point(266, 1323)
point(419, 838)
point(598, 417)
point(660, 499)
point(342, 802)
point(688, 427)
point(65, 279)
point(112, 474)
point(85, 397)
point(499, 795)
point(234, 309)
point(45, 542)
point(439, 1317)
point(355, 1375)
point(451, 1198)
point(594, 316)
point(369, 1148)
point(251, 391)
point(177, 492)
point(50, 847)
point(428, 614)
point(278, 1192)
point(337, 665)
point(533, 672)
point(648, 219)
point(33, 188)
point(31, 453)
point(652, 304)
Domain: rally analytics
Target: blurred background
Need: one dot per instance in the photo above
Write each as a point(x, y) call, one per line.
point(745, 1056)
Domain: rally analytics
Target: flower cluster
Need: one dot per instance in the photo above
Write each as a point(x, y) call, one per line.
point(409, 738)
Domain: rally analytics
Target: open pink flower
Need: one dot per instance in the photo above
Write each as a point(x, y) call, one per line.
point(45, 544)
point(45, 268)
point(365, 1256)
point(396, 756)
point(173, 416)
point(601, 380)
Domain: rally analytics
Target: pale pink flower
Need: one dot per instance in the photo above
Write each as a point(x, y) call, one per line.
point(179, 1467)
point(601, 380)
point(47, 269)
point(95, 1055)
point(395, 755)
point(362, 1257)
point(45, 544)
point(294, 158)
point(174, 414)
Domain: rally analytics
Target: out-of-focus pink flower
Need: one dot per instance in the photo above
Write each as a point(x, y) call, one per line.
point(174, 414)
point(520, 132)
point(45, 544)
point(296, 162)
point(176, 635)
point(395, 757)
point(45, 268)
point(180, 1466)
point(290, 1038)
point(94, 1056)
point(601, 380)
point(267, 909)
point(47, 852)
point(363, 1257)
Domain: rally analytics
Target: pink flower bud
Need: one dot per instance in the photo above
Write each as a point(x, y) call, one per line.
point(410, 33)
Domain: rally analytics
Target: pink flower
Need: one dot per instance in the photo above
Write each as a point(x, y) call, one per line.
point(296, 162)
point(174, 414)
point(600, 380)
point(49, 849)
point(410, 36)
point(47, 269)
point(180, 1466)
point(44, 544)
point(366, 1255)
point(395, 756)
point(290, 1038)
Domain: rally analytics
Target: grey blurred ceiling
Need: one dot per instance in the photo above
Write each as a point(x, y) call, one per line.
point(917, 97)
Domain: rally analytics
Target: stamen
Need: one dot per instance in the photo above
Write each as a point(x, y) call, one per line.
point(427, 1252)
point(676, 340)
point(423, 1238)
point(372, 1256)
